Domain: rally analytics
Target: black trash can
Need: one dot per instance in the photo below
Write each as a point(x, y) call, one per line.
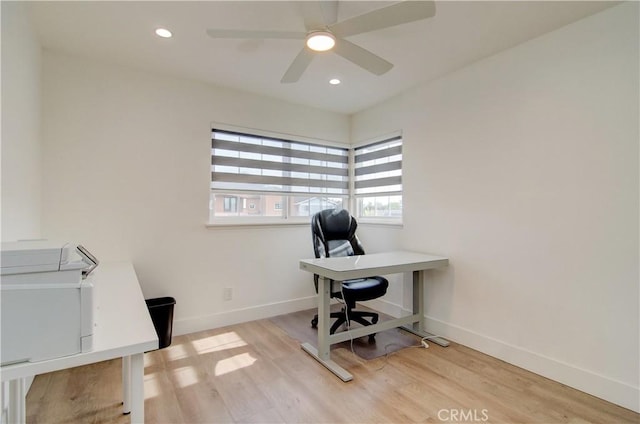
point(161, 311)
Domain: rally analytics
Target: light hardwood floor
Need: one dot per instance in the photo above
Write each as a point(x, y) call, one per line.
point(255, 373)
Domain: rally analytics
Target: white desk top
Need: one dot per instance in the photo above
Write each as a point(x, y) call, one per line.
point(350, 267)
point(123, 325)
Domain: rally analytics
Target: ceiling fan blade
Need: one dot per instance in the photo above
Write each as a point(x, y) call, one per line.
point(396, 14)
point(329, 11)
point(361, 57)
point(298, 66)
point(239, 33)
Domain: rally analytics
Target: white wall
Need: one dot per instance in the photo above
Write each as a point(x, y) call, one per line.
point(21, 146)
point(523, 169)
point(128, 173)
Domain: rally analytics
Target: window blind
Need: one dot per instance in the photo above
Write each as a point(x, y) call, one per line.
point(378, 167)
point(245, 162)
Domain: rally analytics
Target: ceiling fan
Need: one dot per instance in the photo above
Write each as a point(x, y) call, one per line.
point(324, 33)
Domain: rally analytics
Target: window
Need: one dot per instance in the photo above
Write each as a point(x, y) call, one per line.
point(274, 177)
point(378, 180)
point(267, 177)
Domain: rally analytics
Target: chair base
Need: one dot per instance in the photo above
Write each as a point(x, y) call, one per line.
point(341, 318)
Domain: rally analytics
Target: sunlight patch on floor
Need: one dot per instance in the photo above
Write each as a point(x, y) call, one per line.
point(175, 352)
point(152, 387)
point(218, 342)
point(185, 376)
point(234, 363)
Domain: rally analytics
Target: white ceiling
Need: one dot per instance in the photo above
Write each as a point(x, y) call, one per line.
point(461, 32)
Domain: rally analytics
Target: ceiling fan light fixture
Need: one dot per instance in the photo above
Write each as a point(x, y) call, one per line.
point(164, 33)
point(321, 41)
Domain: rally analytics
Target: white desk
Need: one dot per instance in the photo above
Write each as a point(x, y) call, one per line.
point(123, 329)
point(351, 267)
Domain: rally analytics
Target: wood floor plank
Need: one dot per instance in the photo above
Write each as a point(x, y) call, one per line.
point(201, 402)
point(477, 390)
point(255, 373)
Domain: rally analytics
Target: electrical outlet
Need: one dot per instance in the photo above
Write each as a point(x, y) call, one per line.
point(228, 293)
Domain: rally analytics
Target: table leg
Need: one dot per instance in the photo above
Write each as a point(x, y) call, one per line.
point(137, 388)
point(17, 412)
point(418, 301)
point(322, 353)
point(324, 289)
point(126, 384)
point(418, 328)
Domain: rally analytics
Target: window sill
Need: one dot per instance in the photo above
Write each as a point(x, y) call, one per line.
point(271, 223)
point(263, 223)
point(380, 223)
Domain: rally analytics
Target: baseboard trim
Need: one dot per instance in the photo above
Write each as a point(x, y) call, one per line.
point(595, 384)
point(236, 316)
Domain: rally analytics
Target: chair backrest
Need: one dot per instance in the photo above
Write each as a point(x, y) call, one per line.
point(334, 234)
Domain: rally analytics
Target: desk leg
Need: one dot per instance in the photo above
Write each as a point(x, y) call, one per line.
point(17, 412)
point(324, 309)
point(418, 328)
point(322, 354)
point(126, 385)
point(137, 388)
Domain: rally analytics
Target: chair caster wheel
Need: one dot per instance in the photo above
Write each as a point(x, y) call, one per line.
point(314, 323)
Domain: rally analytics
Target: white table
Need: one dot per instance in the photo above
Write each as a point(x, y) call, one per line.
point(351, 267)
point(123, 328)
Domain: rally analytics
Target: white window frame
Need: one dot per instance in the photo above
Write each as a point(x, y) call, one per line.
point(395, 221)
point(285, 219)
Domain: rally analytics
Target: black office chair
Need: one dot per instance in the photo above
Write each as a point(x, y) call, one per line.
point(334, 234)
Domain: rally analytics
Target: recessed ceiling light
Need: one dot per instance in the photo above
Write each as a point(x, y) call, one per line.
point(164, 33)
point(321, 41)
point(334, 81)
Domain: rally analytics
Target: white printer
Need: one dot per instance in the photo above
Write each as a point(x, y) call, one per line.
point(46, 302)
